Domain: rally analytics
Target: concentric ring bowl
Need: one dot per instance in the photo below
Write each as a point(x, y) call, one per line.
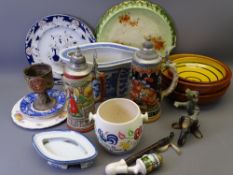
point(206, 75)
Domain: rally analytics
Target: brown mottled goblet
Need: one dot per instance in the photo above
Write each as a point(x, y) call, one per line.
point(39, 78)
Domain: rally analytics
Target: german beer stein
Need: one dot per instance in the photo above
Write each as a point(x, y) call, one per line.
point(146, 89)
point(78, 83)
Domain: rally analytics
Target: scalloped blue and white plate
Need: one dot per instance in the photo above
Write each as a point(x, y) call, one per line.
point(62, 148)
point(26, 104)
point(52, 33)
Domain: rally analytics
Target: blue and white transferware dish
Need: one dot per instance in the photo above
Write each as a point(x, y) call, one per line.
point(26, 105)
point(62, 148)
point(52, 33)
point(113, 59)
point(24, 121)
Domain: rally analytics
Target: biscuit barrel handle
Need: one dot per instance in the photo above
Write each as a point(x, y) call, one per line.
point(144, 117)
point(91, 116)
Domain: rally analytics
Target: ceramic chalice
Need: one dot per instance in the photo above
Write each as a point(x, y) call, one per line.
point(39, 79)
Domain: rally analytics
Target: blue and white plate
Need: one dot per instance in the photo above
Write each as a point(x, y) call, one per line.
point(26, 104)
point(52, 33)
point(62, 148)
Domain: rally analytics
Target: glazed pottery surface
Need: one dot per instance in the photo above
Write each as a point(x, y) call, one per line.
point(78, 80)
point(133, 21)
point(49, 35)
point(118, 125)
point(146, 89)
point(62, 148)
point(203, 99)
point(200, 69)
point(114, 60)
point(200, 73)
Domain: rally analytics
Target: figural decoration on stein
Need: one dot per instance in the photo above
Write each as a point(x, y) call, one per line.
point(78, 78)
point(188, 123)
point(146, 87)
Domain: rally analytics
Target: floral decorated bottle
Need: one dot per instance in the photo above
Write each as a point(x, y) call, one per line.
point(145, 88)
point(146, 164)
point(78, 78)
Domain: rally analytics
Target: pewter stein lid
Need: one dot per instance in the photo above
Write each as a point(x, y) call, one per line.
point(77, 65)
point(147, 55)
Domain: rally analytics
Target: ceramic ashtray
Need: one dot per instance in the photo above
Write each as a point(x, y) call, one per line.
point(63, 148)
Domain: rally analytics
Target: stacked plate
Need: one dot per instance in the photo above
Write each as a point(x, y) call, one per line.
point(25, 115)
point(210, 77)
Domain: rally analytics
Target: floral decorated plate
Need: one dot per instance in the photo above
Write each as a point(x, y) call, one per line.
point(133, 21)
point(52, 33)
point(26, 105)
point(24, 121)
point(62, 148)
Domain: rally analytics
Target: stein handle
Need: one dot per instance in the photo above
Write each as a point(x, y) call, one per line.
point(99, 92)
point(174, 82)
point(102, 85)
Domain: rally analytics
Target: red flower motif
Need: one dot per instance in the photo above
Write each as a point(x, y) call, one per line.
point(121, 135)
point(137, 133)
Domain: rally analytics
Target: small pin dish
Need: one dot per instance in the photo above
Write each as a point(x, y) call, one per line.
point(63, 148)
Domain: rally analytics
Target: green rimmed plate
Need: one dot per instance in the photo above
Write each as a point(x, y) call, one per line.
point(133, 21)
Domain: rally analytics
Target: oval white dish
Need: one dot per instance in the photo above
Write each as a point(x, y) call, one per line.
point(62, 148)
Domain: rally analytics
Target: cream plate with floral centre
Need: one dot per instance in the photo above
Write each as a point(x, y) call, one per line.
point(132, 22)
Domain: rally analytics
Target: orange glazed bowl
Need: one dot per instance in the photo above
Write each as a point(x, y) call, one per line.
point(202, 99)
